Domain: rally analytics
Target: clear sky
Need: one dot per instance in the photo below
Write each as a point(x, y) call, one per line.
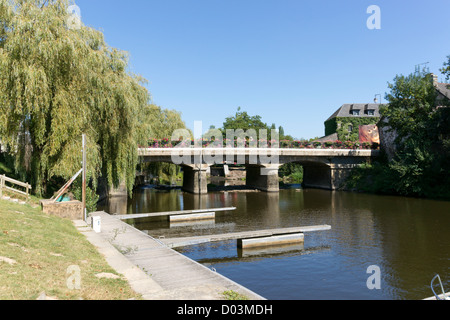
point(292, 62)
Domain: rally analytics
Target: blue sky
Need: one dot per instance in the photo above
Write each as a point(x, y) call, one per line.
point(292, 62)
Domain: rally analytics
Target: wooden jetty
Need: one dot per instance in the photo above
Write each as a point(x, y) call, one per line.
point(177, 276)
point(171, 213)
point(258, 237)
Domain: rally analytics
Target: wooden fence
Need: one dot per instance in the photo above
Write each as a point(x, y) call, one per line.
point(12, 187)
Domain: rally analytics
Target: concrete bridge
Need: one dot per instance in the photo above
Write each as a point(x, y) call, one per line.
point(323, 168)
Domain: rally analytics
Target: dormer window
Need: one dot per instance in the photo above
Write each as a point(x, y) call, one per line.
point(370, 112)
point(355, 112)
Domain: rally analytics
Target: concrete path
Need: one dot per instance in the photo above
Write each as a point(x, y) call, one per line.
point(154, 270)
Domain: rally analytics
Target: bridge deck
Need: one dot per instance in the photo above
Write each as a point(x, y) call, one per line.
point(155, 152)
point(181, 242)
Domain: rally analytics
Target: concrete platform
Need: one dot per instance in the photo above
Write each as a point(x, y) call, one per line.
point(193, 217)
point(187, 241)
point(295, 238)
point(169, 213)
point(153, 269)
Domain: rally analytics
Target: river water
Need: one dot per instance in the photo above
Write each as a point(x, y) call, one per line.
point(402, 242)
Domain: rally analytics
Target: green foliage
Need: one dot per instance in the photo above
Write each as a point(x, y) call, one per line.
point(163, 123)
point(412, 102)
point(242, 120)
point(421, 166)
point(291, 171)
point(281, 133)
point(341, 125)
point(233, 295)
point(446, 68)
point(344, 123)
point(91, 196)
point(330, 126)
point(57, 83)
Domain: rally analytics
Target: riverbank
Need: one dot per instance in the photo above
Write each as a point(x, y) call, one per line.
point(41, 256)
point(44, 257)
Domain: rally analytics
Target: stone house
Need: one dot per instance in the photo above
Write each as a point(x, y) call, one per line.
point(345, 122)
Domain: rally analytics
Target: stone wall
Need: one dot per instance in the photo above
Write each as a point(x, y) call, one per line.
point(387, 140)
point(72, 210)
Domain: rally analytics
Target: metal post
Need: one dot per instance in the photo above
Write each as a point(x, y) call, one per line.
point(376, 99)
point(83, 194)
point(200, 174)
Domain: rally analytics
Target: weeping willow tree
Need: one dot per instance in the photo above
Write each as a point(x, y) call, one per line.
point(57, 83)
point(165, 122)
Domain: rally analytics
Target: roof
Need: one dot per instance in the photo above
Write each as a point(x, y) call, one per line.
point(332, 137)
point(345, 110)
point(443, 89)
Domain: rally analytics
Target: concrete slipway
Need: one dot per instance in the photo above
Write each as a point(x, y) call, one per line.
point(154, 270)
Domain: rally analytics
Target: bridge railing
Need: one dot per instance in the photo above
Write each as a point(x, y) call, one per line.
point(285, 144)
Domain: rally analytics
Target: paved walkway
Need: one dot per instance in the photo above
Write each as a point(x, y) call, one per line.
point(154, 270)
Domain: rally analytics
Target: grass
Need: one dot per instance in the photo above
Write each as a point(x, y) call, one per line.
point(233, 295)
point(40, 249)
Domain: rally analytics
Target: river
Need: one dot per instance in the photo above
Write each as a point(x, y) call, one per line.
point(404, 241)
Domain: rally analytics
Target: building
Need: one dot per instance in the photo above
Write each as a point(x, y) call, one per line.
point(443, 90)
point(345, 123)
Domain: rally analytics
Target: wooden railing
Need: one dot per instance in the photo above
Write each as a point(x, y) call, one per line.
point(4, 188)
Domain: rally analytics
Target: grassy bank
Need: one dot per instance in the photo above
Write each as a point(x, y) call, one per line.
point(36, 251)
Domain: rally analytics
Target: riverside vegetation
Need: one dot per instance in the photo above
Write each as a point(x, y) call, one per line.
point(421, 164)
point(58, 82)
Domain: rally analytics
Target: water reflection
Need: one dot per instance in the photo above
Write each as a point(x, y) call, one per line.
point(407, 238)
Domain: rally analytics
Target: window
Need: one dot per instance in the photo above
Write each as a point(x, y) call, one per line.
point(371, 112)
point(354, 112)
point(350, 128)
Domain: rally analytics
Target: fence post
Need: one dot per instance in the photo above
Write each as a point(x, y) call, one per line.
point(28, 188)
point(1, 185)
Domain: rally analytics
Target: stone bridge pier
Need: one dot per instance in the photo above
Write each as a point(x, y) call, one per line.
point(195, 179)
point(330, 177)
point(315, 175)
point(263, 177)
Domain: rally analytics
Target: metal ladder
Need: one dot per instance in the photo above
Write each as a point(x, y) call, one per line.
point(444, 297)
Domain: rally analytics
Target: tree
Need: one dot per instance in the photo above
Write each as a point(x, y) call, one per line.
point(163, 122)
point(446, 68)
point(421, 166)
point(281, 132)
point(57, 83)
point(411, 107)
point(242, 120)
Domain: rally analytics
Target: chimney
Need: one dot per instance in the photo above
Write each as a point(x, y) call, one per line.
point(435, 79)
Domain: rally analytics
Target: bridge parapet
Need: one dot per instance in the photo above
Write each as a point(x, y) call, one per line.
point(187, 156)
